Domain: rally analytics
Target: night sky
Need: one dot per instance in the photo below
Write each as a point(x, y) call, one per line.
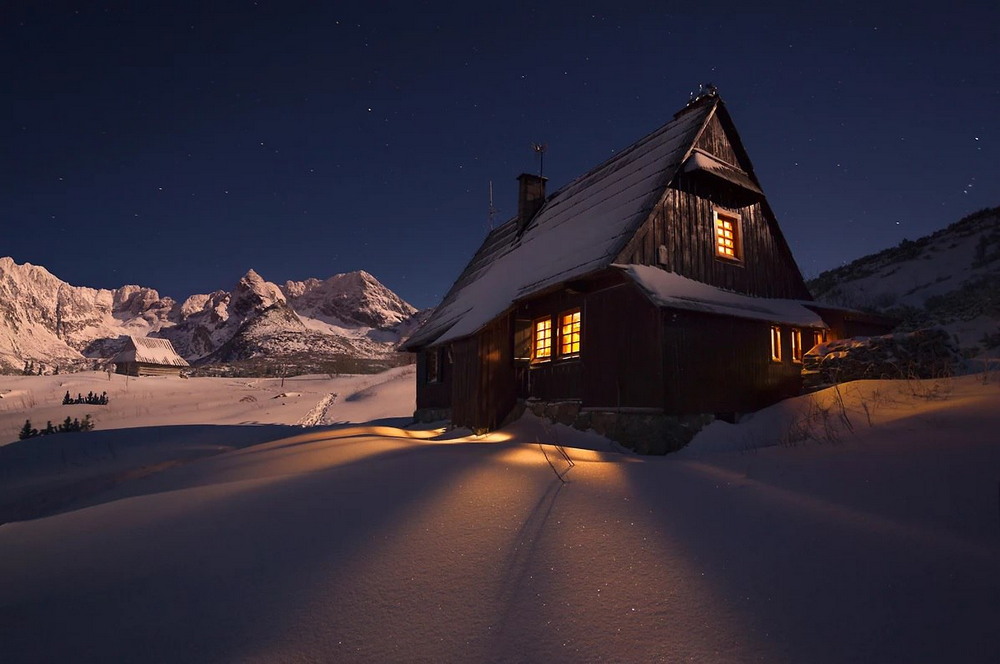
point(177, 145)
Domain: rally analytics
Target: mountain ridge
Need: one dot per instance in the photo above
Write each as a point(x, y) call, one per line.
point(47, 321)
point(949, 278)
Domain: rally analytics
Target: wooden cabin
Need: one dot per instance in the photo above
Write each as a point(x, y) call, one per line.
point(145, 356)
point(643, 299)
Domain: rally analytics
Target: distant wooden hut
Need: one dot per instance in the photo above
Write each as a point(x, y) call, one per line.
point(644, 298)
point(145, 356)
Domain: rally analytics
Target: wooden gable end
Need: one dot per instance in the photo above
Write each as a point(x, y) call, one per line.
point(680, 234)
point(715, 141)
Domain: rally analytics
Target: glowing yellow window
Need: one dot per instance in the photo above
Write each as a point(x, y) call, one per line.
point(569, 334)
point(541, 347)
point(727, 235)
point(796, 345)
point(775, 343)
point(819, 337)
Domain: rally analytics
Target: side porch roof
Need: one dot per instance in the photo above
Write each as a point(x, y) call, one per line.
point(667, 289)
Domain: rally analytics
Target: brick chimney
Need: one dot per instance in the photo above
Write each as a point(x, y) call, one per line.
point(530, 197)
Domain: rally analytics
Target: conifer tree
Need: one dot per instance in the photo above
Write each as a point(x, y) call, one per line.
point(67, 399)
point(27, 431)
point(49, 429)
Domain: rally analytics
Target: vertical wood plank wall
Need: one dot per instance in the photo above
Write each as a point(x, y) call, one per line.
point(716, 364)
point(683, 224)
point(482, 385)
point(623, 355)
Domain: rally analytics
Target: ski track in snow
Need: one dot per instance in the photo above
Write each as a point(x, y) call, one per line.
point(317, 414)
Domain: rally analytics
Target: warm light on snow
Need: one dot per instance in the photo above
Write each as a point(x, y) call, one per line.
point(826, 528)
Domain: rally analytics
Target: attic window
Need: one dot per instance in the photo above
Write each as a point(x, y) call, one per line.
point(796, 345)
point(541, 347)
point(728, 243)
point(569, 334)
point(775, 343)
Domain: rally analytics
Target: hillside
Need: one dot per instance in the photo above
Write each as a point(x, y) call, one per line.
point(950, 278)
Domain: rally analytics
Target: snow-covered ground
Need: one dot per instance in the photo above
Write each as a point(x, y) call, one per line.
point(857, 524)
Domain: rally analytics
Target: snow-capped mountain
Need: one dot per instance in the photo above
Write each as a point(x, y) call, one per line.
point(51, 323)
point(950, 278)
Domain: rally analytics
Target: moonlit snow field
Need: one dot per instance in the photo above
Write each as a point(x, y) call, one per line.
point(242, 520)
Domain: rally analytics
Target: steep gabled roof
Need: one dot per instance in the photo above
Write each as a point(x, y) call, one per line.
point(148, 350)
point(579, 230)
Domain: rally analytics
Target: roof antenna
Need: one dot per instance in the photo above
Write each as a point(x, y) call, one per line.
point(492, 210)
point(540, 149)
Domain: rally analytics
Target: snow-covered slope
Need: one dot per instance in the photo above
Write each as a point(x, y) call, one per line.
point(949, 278)
point(46, 321)
point(790, 537)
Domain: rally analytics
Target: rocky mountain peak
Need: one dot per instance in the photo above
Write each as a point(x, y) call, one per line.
point(50, 322)
point(352, 298)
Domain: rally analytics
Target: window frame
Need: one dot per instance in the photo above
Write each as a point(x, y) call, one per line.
point(578, 324)
point(722, 216)
point(432, 377)
point(797, 351)
point(819, 337)
point(776, 354)
point(536, 358)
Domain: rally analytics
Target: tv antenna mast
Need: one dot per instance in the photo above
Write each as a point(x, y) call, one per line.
point(540, 149)
point(492, 210)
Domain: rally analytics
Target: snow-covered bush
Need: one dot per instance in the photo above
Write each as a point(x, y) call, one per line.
point(921, 354)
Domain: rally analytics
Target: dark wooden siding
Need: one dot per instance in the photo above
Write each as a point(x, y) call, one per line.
point(482, 385)
point(623, 356)
point(620, 359)
point(845, 324)
point(682, 224)
point(716, 364)
point(714, 141)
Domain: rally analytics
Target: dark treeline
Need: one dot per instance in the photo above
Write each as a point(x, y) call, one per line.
point(68, 425)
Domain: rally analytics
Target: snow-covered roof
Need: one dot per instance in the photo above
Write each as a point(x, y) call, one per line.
point(580, 229)
point(668, 289)
point(150, 351)
point(702, 161)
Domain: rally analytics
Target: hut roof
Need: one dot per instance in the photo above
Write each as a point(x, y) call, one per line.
point(579, 230)
point(148, 350)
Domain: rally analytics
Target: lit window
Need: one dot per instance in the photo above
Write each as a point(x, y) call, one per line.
point(796, 345)
point(541, 348)
point(819, 337)
point(569, 334)
point(776, 343)
point(727, 235)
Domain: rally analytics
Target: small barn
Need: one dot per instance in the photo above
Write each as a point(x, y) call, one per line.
point(146, 356)
point(643, 299)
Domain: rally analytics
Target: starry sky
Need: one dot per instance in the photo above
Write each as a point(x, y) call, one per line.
point(176, 145)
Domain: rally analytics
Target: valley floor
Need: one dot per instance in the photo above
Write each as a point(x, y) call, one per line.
point(859, 524)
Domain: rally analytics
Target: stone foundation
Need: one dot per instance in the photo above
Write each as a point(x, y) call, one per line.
point(643, 430)
point(432, 414)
